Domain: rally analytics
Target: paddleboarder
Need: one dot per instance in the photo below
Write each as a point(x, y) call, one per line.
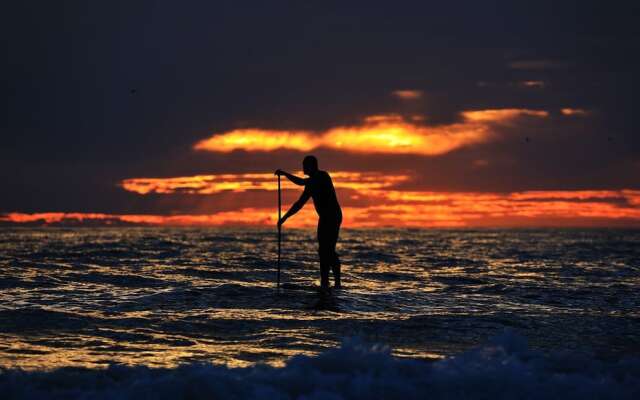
point(319, 187)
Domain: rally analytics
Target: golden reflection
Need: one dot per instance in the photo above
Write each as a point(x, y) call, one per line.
point(158, 349)
point(203, 333)
point(85, 353)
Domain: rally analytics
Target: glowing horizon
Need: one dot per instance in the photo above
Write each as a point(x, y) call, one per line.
point(598, 208)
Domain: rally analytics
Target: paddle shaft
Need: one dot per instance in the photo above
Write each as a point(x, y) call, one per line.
point(279, 228)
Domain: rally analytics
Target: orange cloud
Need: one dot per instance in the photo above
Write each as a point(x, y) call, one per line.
point(407, 94)
point(502, 115)
point(374, 199)
point(559, 204)
point(259, 140)
point(574, 112)
point(247, 216)
point(377, 134)
point(50, 217)
point(533, 84)
point(212, 184)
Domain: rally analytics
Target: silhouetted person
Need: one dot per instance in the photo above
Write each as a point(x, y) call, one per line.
point(320, 187)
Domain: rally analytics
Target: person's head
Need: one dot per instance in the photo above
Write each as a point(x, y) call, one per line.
point(309, 165)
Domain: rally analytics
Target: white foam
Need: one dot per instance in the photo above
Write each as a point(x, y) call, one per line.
point(504, 368)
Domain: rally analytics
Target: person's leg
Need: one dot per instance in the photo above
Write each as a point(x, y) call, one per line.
point(335, 267)
point(324, 274)
point(324, 251)
point(335, 260)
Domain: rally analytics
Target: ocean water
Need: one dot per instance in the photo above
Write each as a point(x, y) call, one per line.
point(194, 313)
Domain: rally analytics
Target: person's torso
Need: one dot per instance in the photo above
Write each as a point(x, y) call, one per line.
point(324, 196)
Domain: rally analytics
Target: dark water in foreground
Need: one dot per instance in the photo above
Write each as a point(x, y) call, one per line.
point(168, 297)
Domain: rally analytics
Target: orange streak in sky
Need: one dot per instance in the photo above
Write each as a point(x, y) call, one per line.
point(247, 216)
point(211, 184)
point(502, 115)
point(574, 112)
point(415, 209)
point(377, 134)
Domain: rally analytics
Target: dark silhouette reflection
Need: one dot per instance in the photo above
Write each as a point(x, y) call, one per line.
point(310, 297)
point(320, 187)
point(327, 302)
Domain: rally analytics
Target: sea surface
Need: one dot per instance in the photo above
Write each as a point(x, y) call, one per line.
point(191, 313)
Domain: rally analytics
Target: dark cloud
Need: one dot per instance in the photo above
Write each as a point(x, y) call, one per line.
point(73, 129)
point(529, 65)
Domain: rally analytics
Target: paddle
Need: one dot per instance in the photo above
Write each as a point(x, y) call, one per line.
point(279, 229)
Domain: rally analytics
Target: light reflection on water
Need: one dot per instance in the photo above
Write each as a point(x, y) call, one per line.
point(90, 297)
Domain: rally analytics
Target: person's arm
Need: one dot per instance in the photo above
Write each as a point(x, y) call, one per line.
point(296, 206)
point(292, 178)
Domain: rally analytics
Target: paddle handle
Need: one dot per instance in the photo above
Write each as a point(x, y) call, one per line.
point(279, 228)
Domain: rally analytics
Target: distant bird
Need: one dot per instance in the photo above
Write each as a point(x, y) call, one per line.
point(133, 91)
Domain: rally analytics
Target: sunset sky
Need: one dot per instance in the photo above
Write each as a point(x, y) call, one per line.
point(505, 115)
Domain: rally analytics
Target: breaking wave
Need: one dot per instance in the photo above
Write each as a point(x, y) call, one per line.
point(503, 368)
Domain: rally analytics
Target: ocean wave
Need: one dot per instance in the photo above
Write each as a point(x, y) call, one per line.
point(503, 368)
